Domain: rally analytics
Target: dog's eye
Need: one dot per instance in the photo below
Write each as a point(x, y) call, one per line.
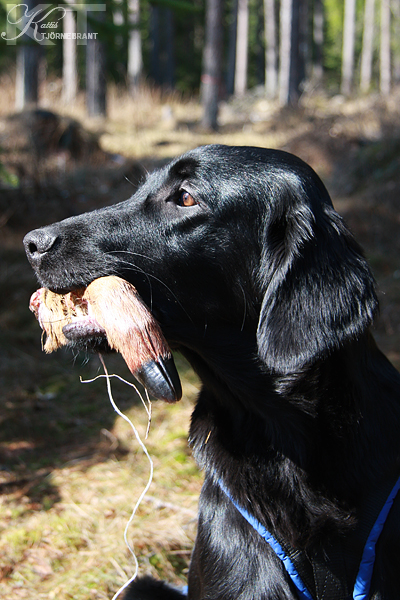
point(186, 199)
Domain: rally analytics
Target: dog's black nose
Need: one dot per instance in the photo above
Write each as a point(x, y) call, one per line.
point(37, 243)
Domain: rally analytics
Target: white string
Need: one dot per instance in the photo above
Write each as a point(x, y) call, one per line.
point(142, 495)
point(147, 407)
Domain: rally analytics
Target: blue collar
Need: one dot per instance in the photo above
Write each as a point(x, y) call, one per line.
point(363, 579)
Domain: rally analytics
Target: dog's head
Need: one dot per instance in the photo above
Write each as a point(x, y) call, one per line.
point(225, 239)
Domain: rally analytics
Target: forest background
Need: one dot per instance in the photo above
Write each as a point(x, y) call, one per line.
point(80, 125)
point(218, 47)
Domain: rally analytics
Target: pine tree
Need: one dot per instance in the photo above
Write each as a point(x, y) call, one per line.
point(384, 57)
point(27, 75)
point(348, 46)
point(70, 73)
point(291, 51)
point(367, 46)
point(231, 58)
point(96, 82)
point(271, 74)
point(168, 55)
point(212, 56)
point(395, 6)
point(155, 43)
point(318, 35)
point(135, 61)
point(242, 41)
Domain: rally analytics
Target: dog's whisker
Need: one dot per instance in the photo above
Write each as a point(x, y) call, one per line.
point(150, 275)
point(135, 268)
point(135, 185)
point(245, 307)
point(51, 321)
point(131, 254)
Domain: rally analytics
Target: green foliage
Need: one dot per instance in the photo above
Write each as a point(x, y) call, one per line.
point(7, 178)
point(7, 53)
point(334, 11)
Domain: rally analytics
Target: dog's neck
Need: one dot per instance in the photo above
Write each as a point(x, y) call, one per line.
point(266, 429)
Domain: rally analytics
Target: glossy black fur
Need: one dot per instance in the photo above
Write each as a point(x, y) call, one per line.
point(264, 290)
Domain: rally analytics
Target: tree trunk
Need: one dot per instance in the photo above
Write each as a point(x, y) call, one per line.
point(135, 62)
point(291, 52)
point(168, 55)
point(396, 40)
point(271, 74)
point(231, 59)
point(259, 48)
point(385, 78)
point(120, 17)
point(242, 48)
point(348, 46)
point(303, 54)
point(27, 76)
point(367, 46)
point(210, 80)
point(155, 43)
point(96, 87)
point(318, 34)
point(284, 50)
point(70, 73)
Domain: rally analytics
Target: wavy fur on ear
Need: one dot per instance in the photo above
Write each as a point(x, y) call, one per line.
point(318, 288)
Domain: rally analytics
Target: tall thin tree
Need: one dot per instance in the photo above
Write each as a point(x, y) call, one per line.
point(70, 72)
point(284, 50)
point(384, 54)
point(291, 52)
point(120, 16)
point(303, 57)
point(135, 61)
point(242, 42)
point(271, 73)
point(348, 46)
point(212, 58)
point(27, 74)
point(169, 61)
point(318, 35)
point(155, 43)
point(395, 6)
point(231, 57)
point(367, 46)
point(96, 68)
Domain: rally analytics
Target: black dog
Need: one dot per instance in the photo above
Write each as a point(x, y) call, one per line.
point(253, 276)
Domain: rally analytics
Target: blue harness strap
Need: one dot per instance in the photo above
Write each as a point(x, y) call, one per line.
point(303, 592)
point(363, 579)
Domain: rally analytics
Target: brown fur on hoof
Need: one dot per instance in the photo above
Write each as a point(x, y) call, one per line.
point(110, 308)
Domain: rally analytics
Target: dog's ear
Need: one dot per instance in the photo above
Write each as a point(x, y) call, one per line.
point(318, 290)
